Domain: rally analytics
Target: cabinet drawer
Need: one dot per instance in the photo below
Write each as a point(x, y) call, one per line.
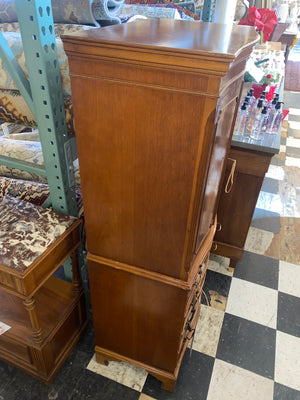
point(10, 347)
point(197, 287)
point(190, 326)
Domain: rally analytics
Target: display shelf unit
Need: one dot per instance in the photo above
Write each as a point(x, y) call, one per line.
point(46, 315)
point(59, 325)
point(236, 207)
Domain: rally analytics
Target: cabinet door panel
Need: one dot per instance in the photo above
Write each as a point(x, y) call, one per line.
point(223, 131)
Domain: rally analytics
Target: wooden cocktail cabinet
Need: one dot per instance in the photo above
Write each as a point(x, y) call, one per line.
point(154, 104)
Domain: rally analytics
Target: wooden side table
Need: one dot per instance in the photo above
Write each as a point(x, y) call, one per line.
point(46, 314)
point(236, 208)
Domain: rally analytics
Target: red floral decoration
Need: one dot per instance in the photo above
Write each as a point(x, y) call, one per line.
point(263, 19)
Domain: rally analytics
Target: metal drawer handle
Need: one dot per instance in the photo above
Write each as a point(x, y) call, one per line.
point(229, 182)
point(191, 334)
point(214, 246)
point(191, 317)
point(219, 227)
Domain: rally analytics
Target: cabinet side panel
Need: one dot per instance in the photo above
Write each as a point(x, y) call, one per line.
point(137, 317)
point(138, 149)
point(223, 131)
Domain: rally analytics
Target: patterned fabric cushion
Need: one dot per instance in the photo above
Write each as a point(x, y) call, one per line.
point(29, 151)
point(8, 11)
point(66, 11)
point(33, 192)
point(150, 11)
point(13, 107)
point(69, 11)
point(107, 10)
point(142, 2)
point(186, 10)
point(59, 28)
point(73, 12)
point(26, 231)
point(32, 136)
point(23, 150)
point(14, 41)
point(188, 5)
point(19, 174)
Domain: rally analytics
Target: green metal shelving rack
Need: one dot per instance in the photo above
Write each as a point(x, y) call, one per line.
point(43, 94)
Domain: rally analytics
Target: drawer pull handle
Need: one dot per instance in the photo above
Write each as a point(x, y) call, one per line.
point(219, 227)
point(214, 246)
point(191, 316)
point(229, 182)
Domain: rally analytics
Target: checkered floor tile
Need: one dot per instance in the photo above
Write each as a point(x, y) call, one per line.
point(247, 342)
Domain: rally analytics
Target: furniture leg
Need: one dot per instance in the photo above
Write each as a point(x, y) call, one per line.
point(76, 280)
point(101, 359)
point(168, 384)
point(37, 330)
point(232, 264)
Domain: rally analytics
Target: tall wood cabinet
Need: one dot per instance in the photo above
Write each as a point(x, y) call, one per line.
point(154, 104)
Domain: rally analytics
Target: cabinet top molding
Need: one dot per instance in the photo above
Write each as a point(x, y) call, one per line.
point(142, 40)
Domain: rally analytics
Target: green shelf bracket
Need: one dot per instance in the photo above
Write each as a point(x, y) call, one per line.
point(23, 165)
point(207, 10)
point(37, 31)
point(12, 66)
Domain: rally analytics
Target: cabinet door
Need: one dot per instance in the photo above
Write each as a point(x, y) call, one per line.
point(225, 118)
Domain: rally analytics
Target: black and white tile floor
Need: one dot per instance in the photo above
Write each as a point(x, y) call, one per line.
point(247, 343)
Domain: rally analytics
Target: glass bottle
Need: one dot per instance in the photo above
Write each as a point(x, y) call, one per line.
point(275, 124)
point(252, 99)
point(253, 112)
point(259, 125)
point(242, 119)
point(271, 113)
point(263, 98)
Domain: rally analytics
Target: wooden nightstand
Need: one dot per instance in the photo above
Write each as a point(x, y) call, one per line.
point(46, 314)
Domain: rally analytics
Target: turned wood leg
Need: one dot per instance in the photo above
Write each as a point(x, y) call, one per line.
point(76, 280)
point(100, 359)
point(232, 265)
point(36, 329)
point(168, 384)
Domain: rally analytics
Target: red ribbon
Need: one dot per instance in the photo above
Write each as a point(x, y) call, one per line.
point(263, 19)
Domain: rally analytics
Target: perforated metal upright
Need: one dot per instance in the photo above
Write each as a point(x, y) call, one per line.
point(37, 31)
point(207, 10)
